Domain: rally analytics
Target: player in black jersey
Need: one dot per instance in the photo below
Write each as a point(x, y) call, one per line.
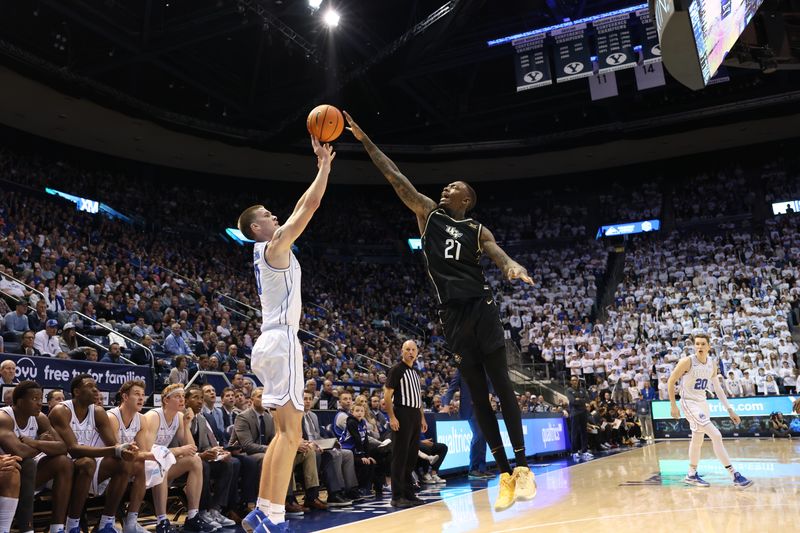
point(453, 245)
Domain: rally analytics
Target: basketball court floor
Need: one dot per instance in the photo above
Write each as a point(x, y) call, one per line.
point(637, 490)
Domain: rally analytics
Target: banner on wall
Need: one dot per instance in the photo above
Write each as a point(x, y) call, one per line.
point(532, 65)
point(572, 59)
point(542, 435)
point(52, 373)
point(614, 48)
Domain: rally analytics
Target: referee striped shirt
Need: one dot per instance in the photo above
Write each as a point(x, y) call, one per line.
point(405, 382)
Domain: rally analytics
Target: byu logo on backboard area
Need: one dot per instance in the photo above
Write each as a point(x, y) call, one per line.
point(617, 58)
point(574, 67)
point(656, 50)
point(533, 77)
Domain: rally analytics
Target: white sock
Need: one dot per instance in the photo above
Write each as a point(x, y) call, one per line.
point(277, 513)
point(692, 471)
point(192, 513)
point(8, 507)
point(72, 523)
point(263, 505)
point(105, 519)
point(55, 528)
point(131, 519)
point(159, 518)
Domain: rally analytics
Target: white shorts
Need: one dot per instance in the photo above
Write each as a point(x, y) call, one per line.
point(97, 488)
point(697, 413)
point(277, 360)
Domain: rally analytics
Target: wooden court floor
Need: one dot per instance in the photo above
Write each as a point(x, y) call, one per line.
point(638, 491)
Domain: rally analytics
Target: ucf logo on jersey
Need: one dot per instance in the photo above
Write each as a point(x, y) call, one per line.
point(454, 232)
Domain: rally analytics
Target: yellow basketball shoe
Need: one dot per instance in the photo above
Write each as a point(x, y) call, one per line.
point(525, 483)
point(505, 496)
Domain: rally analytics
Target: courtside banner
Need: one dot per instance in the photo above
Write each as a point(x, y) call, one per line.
point(614, 49)
point(542, 435)
point(572, 59)
point(532, 66)
point(52, 373)
point(651, 49)
point(744, 407)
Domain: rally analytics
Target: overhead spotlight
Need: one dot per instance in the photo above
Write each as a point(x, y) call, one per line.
point(314, 4)
point(331, 18)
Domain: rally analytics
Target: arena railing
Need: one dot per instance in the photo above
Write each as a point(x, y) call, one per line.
point(92, 320)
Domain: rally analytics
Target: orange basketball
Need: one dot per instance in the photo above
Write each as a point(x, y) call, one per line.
point(325, 122)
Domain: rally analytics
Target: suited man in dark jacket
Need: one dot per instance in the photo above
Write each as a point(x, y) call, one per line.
point(254, 429)
point(26, 346)
point(218, 465)
point(337, 463)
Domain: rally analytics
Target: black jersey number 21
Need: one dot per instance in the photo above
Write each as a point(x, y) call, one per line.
point(448, 250)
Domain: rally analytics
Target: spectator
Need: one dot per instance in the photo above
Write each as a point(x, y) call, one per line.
point(8, 372)
point(778, 427)
point(113, 355)
point(16, 322)
point(46, 341)
point(54, 397)
point(327, 399)
point(26, 346)
point(219, 466)
point(38, 318)
point(180, 373)
point(336, 462)
point(174, 343)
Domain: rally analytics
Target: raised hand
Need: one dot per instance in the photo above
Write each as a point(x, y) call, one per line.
point(324, 152)
point(354, 128)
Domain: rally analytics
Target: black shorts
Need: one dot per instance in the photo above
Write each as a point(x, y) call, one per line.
point(472, 327)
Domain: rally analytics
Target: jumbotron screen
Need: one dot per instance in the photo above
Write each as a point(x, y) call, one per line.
point(716, 25)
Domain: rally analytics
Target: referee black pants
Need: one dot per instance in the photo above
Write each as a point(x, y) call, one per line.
point(405, 446)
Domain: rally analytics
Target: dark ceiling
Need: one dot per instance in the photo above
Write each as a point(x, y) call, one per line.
point(258, 66)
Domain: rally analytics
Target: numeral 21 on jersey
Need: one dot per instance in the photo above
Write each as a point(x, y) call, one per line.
point(700, 384)
point(448, 250)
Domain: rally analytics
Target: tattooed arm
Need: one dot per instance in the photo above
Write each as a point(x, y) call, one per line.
point(510, 268)
point(420, 204)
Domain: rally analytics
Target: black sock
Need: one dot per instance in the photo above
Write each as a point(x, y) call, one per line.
point(519, 457)
point(501, 459)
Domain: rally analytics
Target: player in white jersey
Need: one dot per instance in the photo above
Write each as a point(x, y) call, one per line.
point(697, 372)
point(26, 432)
point(92, 443)
point(277, 357)
point(151, 467)
point(161, 426)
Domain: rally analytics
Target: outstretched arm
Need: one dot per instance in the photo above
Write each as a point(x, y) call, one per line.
point(420, 204)
point(510, 268)
point(305, 208)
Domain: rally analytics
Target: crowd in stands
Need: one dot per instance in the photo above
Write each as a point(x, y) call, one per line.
point(182, 295)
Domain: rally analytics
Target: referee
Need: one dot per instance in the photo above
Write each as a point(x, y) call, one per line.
point(407, 420)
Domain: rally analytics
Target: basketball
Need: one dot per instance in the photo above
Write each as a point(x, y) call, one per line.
point(325, 122)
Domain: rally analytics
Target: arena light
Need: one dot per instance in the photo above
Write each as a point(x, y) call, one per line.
point(331, 18)
point(314, 4)
point(237, 236)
